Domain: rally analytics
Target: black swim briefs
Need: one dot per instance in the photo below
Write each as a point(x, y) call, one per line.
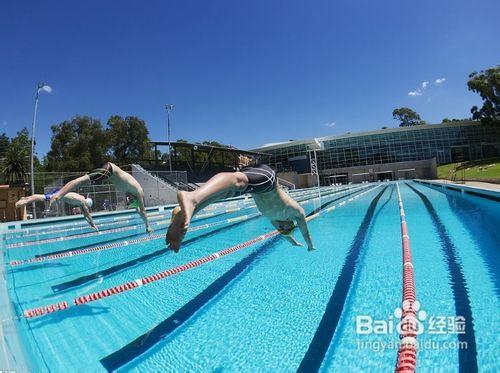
point(261, 178)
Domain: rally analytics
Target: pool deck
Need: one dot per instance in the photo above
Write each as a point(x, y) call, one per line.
point(487, 190)
point(474, 184)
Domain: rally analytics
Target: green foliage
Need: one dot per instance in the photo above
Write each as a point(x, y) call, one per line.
point(446, 120)
point(214, 143)
point(78, 144)
point(487, 84)
point(15, 157)
point(4, 145)
point(15, 164)
point(129, 139)
point(22, 139)
point(407, 117)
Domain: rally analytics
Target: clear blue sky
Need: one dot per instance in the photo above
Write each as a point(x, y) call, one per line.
point(243, 72)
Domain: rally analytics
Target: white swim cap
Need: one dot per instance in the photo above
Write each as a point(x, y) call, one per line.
point(89, 202)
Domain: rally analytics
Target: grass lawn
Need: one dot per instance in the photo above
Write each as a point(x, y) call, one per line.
point(488, 169)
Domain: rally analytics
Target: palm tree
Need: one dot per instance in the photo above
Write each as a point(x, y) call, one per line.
point(14, 165)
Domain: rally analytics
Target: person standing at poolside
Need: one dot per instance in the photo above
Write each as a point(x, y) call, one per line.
point(122, 181)
point(73, 199)
point(260, 181)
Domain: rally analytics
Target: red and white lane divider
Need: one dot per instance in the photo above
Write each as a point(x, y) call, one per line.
point(78, 301)
point(83, 235)
point(127, 220)
point(407, 353)
point(33, 231)
point(114, 245)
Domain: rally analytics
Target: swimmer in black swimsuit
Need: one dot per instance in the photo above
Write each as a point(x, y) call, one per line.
point(122, 181)
point(261, 182)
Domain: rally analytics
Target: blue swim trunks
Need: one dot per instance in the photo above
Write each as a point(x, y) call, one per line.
point(49, 195)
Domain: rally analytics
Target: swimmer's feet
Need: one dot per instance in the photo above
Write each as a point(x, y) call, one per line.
point(21, 202)
point(181, 217)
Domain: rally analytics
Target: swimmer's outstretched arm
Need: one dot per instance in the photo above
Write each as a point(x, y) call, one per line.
point(33, 198)
point(141, 209)
point(72, 185)
point(302, 224)
point(88, 217)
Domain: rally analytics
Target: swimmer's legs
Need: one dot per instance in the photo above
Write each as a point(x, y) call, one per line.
point(222, 185)
point(27, 200)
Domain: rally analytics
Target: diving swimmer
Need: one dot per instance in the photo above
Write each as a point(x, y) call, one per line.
point(71, 198)
point(260, 181)
point(122, 181)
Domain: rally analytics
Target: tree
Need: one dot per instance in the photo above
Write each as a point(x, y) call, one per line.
point(454, 120)
point(22, 139)
point(407, 117)
point(15, 157)
point(78, 144)
point(129, 139)
point(4, 145)
point(15, 164)
point(487, 84)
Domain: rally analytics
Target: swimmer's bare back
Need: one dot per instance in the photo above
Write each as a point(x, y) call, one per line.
point(260, 181)
point(122, 181)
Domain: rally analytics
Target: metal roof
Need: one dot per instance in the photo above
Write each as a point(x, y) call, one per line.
point(365, 133)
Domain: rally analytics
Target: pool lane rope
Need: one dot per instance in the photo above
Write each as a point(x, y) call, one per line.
point(114, 245)
point(154, 221)
point(207, 212)
point(407, 352)
point(71, 253)
point(116, 221)
point(81, 300)
point(155, 217)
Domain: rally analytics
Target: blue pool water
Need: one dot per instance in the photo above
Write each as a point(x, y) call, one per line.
point(271, 306)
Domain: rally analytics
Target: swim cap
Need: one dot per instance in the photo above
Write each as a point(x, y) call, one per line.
point(89, 202)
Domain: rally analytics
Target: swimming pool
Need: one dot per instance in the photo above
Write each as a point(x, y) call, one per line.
point(264, 305)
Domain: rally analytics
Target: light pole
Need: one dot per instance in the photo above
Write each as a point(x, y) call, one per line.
point(169, 108)
point(42, 87)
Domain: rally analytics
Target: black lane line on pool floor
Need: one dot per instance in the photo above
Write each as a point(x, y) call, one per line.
point(467, 357)
point(114, 269)
point(163, 330)
point(464, 208)
point(141, 344)
point(131, 263)
point(311, 362)
point(121, 238)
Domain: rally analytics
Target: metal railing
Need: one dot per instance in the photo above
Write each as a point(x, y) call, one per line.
point(286, 183)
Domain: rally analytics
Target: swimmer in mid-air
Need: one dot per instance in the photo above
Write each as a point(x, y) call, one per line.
point(73, 199)
point(122, 180)
point(260, 181)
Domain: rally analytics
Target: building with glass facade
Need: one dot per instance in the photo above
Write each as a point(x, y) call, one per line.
point(352, 155)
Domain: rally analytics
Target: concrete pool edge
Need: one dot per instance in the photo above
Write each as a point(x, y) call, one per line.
point(471, 190)
point(13, 356)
